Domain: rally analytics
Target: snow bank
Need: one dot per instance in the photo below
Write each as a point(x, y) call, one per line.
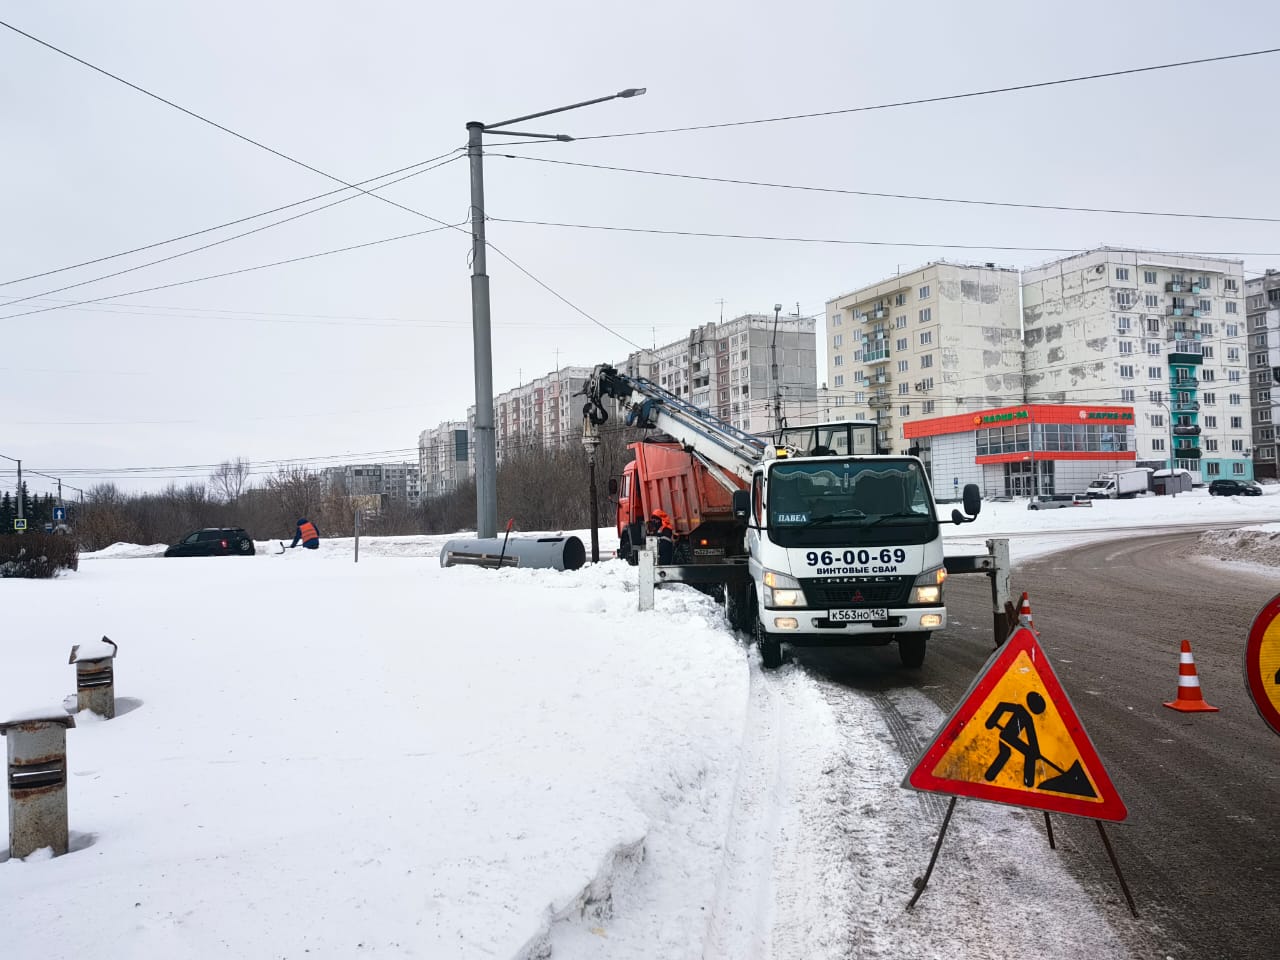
point(1256, 545)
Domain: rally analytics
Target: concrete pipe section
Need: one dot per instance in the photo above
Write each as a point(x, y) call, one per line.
point(549, 553)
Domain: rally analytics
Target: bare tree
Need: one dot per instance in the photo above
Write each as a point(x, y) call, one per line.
point(229, 480)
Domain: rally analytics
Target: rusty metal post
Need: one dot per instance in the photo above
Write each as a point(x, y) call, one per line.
point(999, 550)
point(95, 677)
point(37, 783)
point(646, 568)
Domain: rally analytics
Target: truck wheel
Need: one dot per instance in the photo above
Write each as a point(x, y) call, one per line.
point(624, 549)
point(911, 647)
point(770, 647)
point(737, 608)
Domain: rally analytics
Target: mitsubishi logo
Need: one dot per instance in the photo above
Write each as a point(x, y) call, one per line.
point(858, 597)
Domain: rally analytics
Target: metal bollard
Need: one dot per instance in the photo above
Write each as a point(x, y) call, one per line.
point(95, 677)
point(37, 782)
point(645, 565)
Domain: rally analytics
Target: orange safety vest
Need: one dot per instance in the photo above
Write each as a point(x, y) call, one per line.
point(308, 532)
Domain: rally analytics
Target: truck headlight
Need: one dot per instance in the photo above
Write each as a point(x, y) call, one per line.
point(928, 586)
point(781, 590)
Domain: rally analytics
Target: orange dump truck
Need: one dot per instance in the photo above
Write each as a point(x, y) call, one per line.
point(664, 476)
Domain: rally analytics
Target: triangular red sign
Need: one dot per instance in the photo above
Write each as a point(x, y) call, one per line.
point(1016, 739)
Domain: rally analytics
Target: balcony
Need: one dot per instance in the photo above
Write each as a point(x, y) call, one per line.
point(1186, 430)
point(1181, 286)
point(1187, 453)
point(1183, 312)
point(1192, 407)
point(1186, 383)
point(875, 313)
point(880, 401)
point(878, 355)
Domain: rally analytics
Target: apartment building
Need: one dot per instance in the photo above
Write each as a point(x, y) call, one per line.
point(1161, 332)
point(938, 340)
point(444, 458)
point(542, 412)
point(755, 371)
point(392, 482)
point(1262, 305)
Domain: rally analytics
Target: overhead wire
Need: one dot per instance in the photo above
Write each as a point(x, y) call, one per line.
point(216, 243)
point(890, 196)
point(1012, 88)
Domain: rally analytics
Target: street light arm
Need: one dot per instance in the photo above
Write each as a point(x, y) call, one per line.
point(562, 137)
point(629, 92)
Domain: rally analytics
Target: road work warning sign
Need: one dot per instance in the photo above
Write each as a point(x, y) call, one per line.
point(1016, 739)
point(1262, 663)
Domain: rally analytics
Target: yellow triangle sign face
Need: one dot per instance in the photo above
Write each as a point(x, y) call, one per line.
point(1016, 739)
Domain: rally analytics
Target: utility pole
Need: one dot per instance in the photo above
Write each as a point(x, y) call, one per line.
point(773, 361)
point(486, 445)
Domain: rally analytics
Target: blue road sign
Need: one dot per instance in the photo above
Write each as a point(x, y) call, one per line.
point(48, 527)
point(20, 524)
point(59, 514)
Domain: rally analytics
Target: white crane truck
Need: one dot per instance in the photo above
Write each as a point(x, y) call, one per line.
point(840, 541)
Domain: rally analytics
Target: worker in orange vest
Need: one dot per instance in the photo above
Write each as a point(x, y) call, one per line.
point(308, 534)
point(661, 530)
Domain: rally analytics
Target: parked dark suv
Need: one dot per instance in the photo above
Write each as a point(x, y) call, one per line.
point(1234, 488)
point(213, 542)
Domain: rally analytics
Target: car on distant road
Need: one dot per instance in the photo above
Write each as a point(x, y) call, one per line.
point(1052, 501)
point(213, 542)
point(1234, 488)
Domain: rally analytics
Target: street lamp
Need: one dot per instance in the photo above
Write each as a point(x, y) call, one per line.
point(1173, 486)
point(773, 367)
point(486, 449)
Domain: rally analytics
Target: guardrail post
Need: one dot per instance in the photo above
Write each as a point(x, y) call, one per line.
point(37, 782)
point(646, 568)
point(999, 550)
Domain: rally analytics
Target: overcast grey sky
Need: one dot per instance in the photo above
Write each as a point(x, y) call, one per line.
point(359, 351)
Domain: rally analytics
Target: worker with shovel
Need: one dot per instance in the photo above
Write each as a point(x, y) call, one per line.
point(308, 534)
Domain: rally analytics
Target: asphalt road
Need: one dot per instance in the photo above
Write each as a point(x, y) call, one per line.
point(1201, 846)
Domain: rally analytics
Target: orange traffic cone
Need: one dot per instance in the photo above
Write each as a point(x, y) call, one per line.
point(1190, 699)
point(1024, 613)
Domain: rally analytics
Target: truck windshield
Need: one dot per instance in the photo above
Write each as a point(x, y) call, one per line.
point(878, 501)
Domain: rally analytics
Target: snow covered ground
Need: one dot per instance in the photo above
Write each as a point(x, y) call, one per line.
point(314, 757)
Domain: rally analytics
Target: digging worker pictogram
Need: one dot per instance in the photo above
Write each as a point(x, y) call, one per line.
point(1018, 734)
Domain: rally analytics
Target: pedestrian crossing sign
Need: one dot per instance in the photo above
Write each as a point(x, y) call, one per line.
point(1016, 739)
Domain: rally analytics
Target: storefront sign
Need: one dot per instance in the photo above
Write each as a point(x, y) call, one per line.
point(1000, 417)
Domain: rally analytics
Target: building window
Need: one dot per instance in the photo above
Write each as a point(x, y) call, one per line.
point(839, 360)
point(904, 389)
point(1266, 453)
point(900, 344)
point(900, 322)
point(839, 380)
point(1126, 371)
point(1210, 445)
point(927, 407)
point(926, 337)
point(1264, 396)
point(838, 340)
point(1262, 416)
point(1207, 352)
point(1237, 423)
point(1209, 399)
point(1259, 359)
point(1152, 300)
point(1153, 325)
point(903, 366)
point(1208, 375)
point(1126, 346)
point(1233, 376)
point(1231, 307)
point(1126, 395)
point(1157, 419)
point(1122, 273)
point(1237, 446)
point(1229, 283)
point(900, 300)
point(1237, 468)
point(1206, 329)
point(905, 410)
point(923, 293)
point(1153, 349)
point(1234, 399)
point(1211, 422)
point(1122, 324)
point(926, 361)
point(1157, 443)
point(1154, 373)
point(1206, 306)
point(835, 320)
point(1149, 276)
point(1124, 299)
point(926, 315)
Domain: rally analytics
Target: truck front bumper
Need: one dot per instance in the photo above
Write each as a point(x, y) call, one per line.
point(814, 627)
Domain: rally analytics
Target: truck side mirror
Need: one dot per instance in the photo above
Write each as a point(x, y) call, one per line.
point(972, 497)
point(741, 504)
point(613, 486)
